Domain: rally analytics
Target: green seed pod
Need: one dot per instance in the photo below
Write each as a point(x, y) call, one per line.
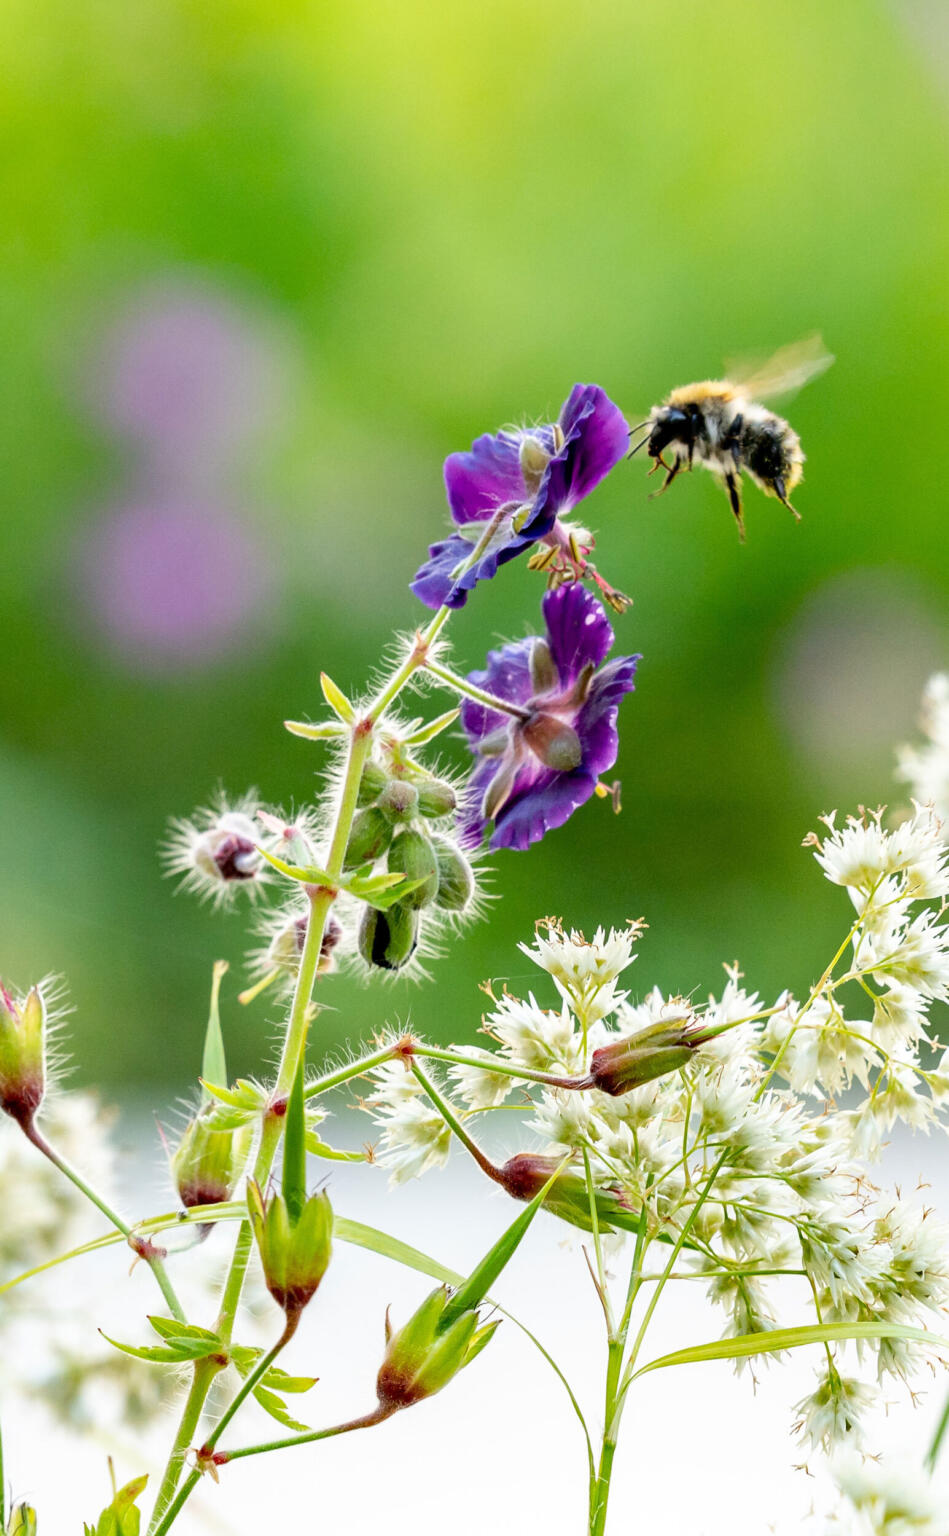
point(208, 1162)
point(294, 1254)
point(370, 837)
point(435, 798)
point(387, 940)
point(22, 1054)
point(413, 854)
point(373, 782)
point(399, 799)
point(455, 876)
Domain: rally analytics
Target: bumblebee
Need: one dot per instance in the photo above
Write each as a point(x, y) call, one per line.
point(720, 424)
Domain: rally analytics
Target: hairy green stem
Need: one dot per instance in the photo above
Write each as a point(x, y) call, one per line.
point(143, 1249)
point(469, 690)
point(204, 1373)
point(451, 1120)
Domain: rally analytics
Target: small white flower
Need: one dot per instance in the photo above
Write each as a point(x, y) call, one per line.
point(480, 1087)
point(562, 1118)
point(585, 971)
point(830, 1415)
point(535, 1037)
point(888, 1501)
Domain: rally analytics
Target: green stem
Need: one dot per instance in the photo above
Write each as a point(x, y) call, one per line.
point(354, 1069)
point(204, 1373)
point(492, 1064)
point(469, 690)
point(251, 1380)
point(601, 1482)
point(378, 1416)
point(143, 1249)
point(451, 1120)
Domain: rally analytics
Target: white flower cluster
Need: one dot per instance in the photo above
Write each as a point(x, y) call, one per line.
point(720, 1121)
point(926, 768)
point(878, 1500)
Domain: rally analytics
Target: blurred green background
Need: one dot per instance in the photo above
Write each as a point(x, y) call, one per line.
point(265, 264)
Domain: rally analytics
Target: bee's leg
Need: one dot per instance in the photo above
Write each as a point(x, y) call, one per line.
point(780, 490)
point(658, 459)
point(671, 471)
point(732, 440)
point(734, 496)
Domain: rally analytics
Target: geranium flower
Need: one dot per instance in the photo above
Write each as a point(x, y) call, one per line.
point(519, 485)
point(538, 763)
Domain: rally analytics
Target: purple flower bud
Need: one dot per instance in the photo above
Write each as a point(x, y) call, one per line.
point(524, 1176)
point(636, 1059)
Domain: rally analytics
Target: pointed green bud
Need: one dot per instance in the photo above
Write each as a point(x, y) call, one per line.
point(22, 1054)
point(525, 1175)
point(370, 837)
point(413, 854)
point(422, 1357)
point(294, 1255)
point(435, 798)
point(456, 882)
point(22, 1521)
point(208, 1162)
point(662, 1047)
point(399, 799)
point(387, 940)
point(373, 782)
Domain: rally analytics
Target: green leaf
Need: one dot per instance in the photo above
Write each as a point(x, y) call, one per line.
point(244, 1095)
point(432, 729)
point(121, 1518)
point(294, 1149)
point(309, 874)
point(167, 1354)
point(277, 1409)
point(173, 1332)
point(281, 1382)
point(388, 1247)
point(776, 1339)
point(383, 891)
point(337, 700)
point(323, 731)
point(483, 1276)
point(213, 1065)
point(332, 1154)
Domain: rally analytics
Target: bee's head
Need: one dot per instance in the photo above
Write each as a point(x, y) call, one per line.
point(669, 425)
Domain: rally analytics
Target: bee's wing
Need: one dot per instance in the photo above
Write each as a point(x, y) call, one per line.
point(784, 373)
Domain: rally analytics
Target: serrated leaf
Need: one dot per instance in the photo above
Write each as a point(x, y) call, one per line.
point(776, 1339)
point(244, 1357)
point(213, 1064)
point(323, 731)
point(173, 1332)
point(383, 891)
point(322, 1149)
point(281, 1382)
point(278, 1410)
point(428, 732)
point(337, 700)
point(365, 885)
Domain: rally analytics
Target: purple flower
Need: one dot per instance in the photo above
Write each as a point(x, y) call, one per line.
point(519, 484)
point(535, 767)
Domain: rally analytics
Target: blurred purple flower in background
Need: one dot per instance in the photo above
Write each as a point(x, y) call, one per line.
point(172, 584)
point(175, 575)
point(521, 482)
point(533, 770)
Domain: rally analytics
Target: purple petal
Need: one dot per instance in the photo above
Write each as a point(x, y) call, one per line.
point(578, 630)
point(547, 803)
point(508, 675)
point(484, 479)
point(597, 437)
point(596, 723)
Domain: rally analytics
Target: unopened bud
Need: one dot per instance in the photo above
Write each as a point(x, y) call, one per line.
point(413, 854)
point(553, 741)
point(628, 1063)
point(22, 1055)
point(399, 799)
point(544, 676)
point(22, 1521)
point(208, 1162)
point(373, 782)
point(525, 1175)
point(370, 837)
point(422, 1357)
point(435, 798)
point(387, 940)
point(294, 1255)
point(456, 881)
